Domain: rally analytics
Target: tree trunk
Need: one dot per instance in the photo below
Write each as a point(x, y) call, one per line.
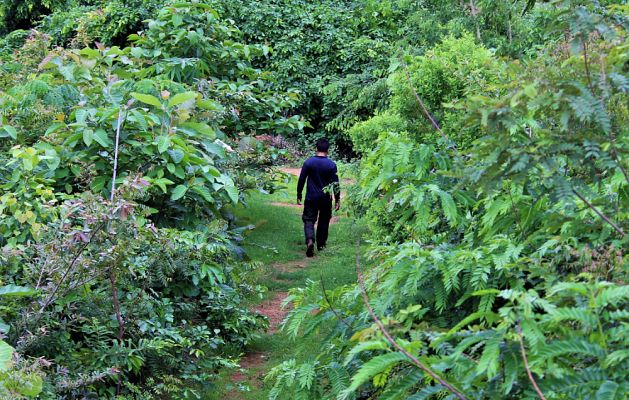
point(474, 11)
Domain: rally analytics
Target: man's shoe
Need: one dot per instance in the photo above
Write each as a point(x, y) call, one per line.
point(310, 250)
point(320, 248)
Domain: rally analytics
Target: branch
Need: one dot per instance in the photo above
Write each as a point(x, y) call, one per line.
point(526, 363)
point(421, 103)
point(327, 300)
point(113, 181)
point(600, 214)
point(71, 266)
point(587, 65)
point(390, 339)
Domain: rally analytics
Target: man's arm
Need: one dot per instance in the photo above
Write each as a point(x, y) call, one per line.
point(300, 183)
point(337, 189)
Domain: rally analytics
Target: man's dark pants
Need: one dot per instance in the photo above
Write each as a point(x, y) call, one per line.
point(320, 209)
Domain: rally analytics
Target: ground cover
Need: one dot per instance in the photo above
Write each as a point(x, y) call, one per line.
point(277, 243)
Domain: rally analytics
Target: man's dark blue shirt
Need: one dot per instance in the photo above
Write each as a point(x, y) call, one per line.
point(321, 173)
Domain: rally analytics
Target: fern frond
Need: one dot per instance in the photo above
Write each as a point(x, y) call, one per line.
point(398, 389)
point(607, 391)
point(306, 375)
point(365, 346)
point(574, 346)
point(612, 296)
point(616, 358)
point(426, 392)
point(490, 360)
point(339, 379)
point(373, 367)
point(585, 317)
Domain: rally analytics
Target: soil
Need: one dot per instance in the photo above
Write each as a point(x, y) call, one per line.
point(272, 309)
point(291, 205)
point(291, 171)
point(291, 266)
point(249, 362)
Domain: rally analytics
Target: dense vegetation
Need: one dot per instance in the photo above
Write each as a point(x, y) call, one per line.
point(491, 142)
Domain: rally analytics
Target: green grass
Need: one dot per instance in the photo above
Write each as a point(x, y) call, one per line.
point(278, 239)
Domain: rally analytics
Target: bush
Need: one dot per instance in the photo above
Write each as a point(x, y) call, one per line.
point(365, 135)
point(454, 69)
point(117, 164)
point(499, 265)
point(103, 327)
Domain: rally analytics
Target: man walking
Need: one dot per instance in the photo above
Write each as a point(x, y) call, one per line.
point(322, 177)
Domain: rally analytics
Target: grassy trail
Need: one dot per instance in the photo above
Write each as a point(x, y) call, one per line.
point(278, 243)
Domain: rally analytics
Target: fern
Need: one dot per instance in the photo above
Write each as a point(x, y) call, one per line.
point(426, 392)
point(616, 358)
point(612, 296)
point(397, 389)
point(608, 391)
point(573, 346)
point(365, 346)
point(585, 317)
point(339, 379)
point(306, 375)
point(296, 318)
point(373, 367)
point(588, 108)
point(490, 358)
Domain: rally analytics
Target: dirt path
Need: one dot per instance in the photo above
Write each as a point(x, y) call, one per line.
point(273, 310)
point(252, 361)
point(253, 365)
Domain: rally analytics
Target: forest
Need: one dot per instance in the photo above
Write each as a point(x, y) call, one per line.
point(151, 246)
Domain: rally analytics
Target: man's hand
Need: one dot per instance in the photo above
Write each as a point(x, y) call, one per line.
point(298, 202)
point(337, 206)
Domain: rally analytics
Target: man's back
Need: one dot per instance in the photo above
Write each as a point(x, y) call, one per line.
point(320, 172)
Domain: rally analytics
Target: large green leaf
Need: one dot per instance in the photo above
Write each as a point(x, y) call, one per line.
point(8, 130)
point(163, 142)
point(6, 356)
point(101, 138)
point(147, 99)
point(181, 98)
point(203, 192)
point(178, 192)
point(177, 155)
point(607, 391)
point(16, 291)
point(192, 128)
point(88, 137)
point(31, 386)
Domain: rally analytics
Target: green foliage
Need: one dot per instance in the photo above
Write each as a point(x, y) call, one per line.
point(510, 245)
point(365, 134)
point(189, 301)
point(17, 14)
point(176, 142)
point(449, 72)
point(140, 295)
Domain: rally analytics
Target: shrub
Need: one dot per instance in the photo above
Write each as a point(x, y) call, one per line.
point(365, 134)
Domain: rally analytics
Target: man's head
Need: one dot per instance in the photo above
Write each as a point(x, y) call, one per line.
point(323, 145)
